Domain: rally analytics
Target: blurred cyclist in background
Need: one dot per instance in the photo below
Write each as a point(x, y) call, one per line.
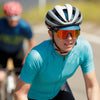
point(51, 63)
point(13, 30)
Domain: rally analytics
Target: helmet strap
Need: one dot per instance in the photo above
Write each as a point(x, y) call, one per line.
point(57, 49)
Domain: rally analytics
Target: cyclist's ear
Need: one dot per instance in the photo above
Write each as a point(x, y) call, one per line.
point(50, 33)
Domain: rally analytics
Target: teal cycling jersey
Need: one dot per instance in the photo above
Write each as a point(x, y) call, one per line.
point(47, 70)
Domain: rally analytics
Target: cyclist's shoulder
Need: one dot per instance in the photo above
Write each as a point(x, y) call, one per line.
point(43, 48)
point(3, 24)
point(83, 45)
point(83, 42)
point(80, 39)
point(37, 53)
point(3, 20)
point(23, 23)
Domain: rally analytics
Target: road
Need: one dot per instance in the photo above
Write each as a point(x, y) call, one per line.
point(76, 81)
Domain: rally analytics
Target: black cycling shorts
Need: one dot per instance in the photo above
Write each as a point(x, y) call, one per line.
point(64, 94)
point(17, 59)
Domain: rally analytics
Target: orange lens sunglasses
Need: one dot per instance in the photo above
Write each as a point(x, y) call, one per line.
point(62, 34)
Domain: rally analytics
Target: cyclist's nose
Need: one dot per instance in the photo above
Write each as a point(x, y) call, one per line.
point(69, 36)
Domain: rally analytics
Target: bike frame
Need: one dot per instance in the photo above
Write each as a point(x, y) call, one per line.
point(9, 83)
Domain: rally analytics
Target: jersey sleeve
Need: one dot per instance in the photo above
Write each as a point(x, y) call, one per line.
point(31, 67)
point(87, 64)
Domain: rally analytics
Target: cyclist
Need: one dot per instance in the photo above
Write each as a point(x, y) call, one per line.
point(13, 30)
point(51, 63)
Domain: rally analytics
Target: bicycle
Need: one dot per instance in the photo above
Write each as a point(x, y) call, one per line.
point(9, 83)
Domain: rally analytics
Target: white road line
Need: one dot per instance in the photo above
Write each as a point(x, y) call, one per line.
point(90, 37)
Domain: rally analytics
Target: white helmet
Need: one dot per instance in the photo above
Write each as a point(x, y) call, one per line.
point(63, 16)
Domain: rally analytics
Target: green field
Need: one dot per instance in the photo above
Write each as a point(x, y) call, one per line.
point(90, 11)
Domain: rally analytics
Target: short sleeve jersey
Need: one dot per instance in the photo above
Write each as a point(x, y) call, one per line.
point(47, 70)
point(11, 38)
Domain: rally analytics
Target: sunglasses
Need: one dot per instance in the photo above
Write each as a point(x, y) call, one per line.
point(62, 34)
point(15, 17)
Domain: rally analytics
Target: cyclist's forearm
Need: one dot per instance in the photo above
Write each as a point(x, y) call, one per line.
point(21, 90)
point(93, 93)
point(20, 97)
point(31, 45)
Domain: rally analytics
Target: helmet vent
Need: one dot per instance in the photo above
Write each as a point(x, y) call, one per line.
point(78, 17)
point(57, 14)
point(52, 20)
point(73, 11)
point(66, 14)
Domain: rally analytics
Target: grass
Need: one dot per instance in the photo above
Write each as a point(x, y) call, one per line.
point(1, 10)
point(90, 11)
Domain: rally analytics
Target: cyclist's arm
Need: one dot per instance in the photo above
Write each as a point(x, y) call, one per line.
point(92, 86)
point(31, 43)
point(21, 90)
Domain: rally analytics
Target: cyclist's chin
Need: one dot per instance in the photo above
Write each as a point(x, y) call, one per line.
point(13, 25)
point(67, 49)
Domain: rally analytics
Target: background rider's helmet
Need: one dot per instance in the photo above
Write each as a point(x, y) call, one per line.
point(66, 17)
point(12, 8)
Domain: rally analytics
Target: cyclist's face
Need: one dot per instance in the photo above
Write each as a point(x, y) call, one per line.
point(12, 23)
point(64, 44)
point(13, 20)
